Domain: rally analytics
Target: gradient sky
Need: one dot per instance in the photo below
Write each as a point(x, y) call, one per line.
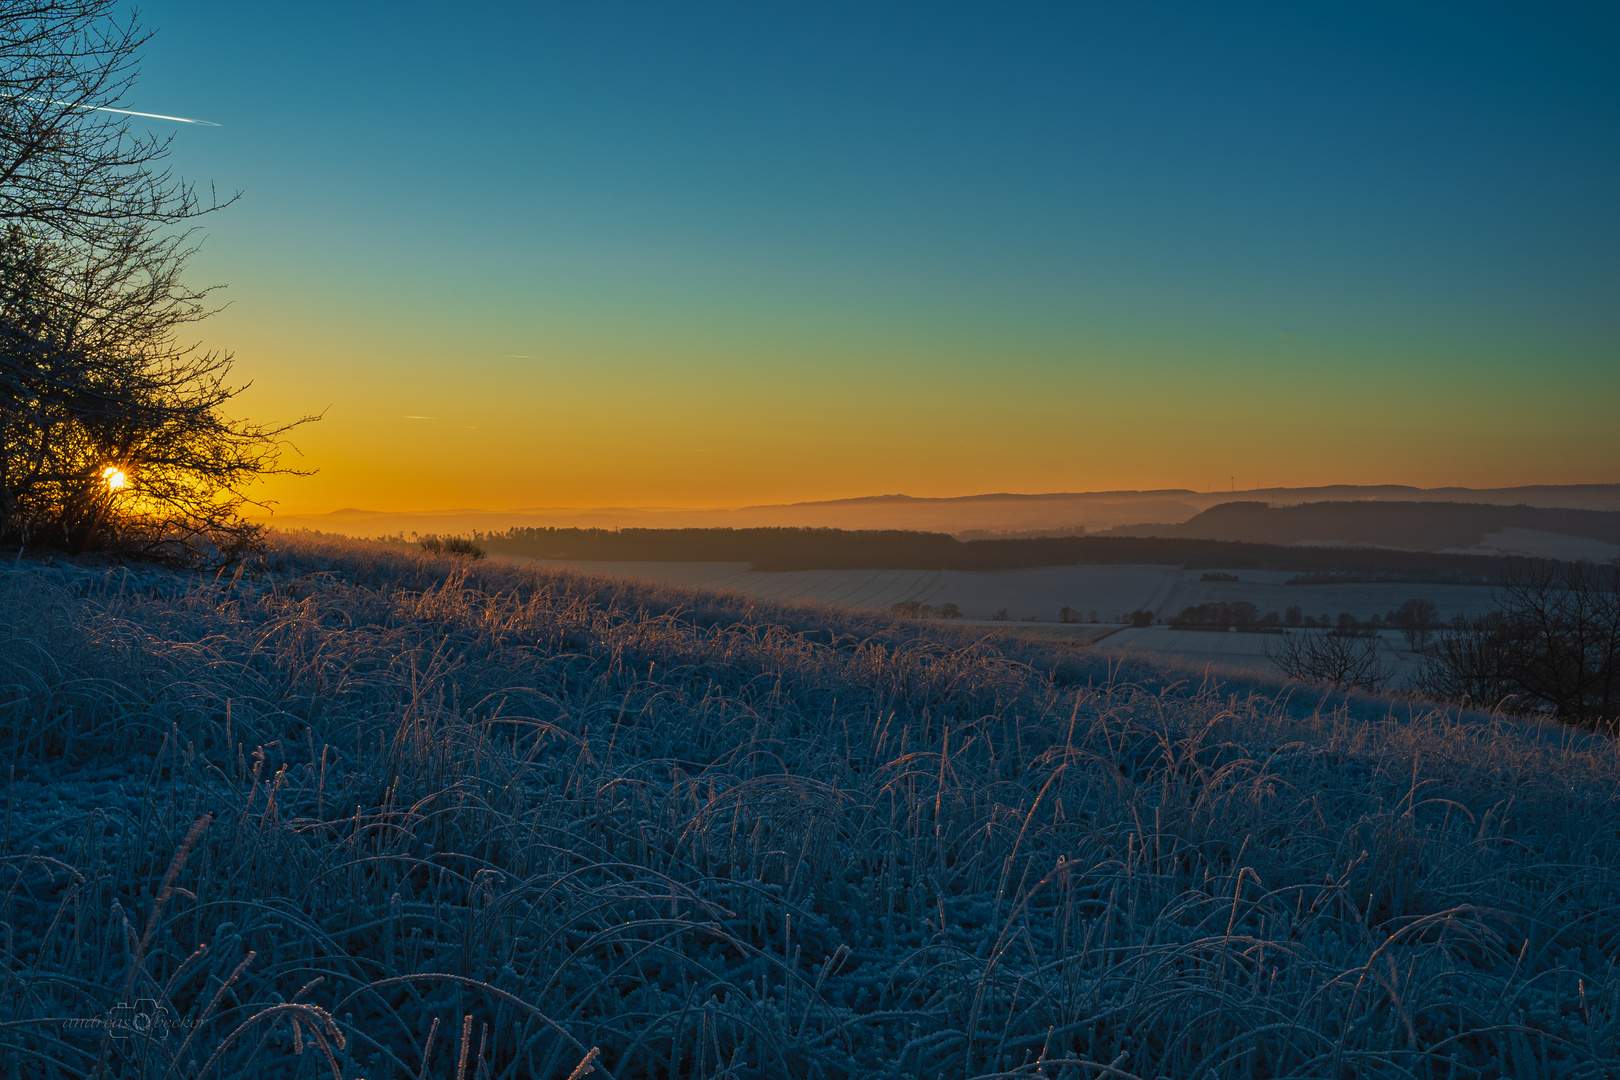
point(717, 254)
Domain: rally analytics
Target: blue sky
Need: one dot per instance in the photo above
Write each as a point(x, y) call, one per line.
point(711, 254)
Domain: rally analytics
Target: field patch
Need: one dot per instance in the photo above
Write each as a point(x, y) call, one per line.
point(1039, 594)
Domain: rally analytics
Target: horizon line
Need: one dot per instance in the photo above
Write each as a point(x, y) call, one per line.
point(901, 497)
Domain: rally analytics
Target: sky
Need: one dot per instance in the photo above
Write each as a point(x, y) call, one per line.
point(695, 254)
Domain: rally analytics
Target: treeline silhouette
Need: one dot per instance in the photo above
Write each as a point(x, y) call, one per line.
point(895, 549)
point(1417, 618)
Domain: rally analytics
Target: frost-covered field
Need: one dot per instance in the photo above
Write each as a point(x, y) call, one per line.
point(1234, 652)
point(420, 819)
point(1038, 591)
point(1041, 592)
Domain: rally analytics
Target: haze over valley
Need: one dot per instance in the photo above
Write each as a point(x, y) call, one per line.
point(989, 514)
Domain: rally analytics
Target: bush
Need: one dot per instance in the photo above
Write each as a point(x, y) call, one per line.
point(451, 545)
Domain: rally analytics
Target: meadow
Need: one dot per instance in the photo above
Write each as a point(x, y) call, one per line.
point(362, 813)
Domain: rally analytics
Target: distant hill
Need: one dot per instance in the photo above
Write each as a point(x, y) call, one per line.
point(1413, 526)
point(988, 514)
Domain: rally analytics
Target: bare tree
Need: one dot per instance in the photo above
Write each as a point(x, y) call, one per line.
point(1417, 620)
point(1347, 661)
point(112, 429)
point(70, 164)
point(1472, 663)
point(1553, 644)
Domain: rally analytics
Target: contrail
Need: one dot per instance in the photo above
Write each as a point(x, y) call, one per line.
point(125, 112)
point(148, 115)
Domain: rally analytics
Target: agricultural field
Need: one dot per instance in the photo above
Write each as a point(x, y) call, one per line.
point(359, 813)
point(1039, 594)
point(1250, 652)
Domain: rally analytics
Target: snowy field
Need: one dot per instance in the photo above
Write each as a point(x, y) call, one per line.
point(1235, 652)
point(1042, 592)
point(363, 814)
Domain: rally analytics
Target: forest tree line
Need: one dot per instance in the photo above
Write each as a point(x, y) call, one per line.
point(782, 549)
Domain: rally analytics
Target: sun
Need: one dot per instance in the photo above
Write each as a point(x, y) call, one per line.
point(115, 478)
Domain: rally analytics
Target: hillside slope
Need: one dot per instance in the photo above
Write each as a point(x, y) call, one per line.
point(415, 817)
point(1415, 526)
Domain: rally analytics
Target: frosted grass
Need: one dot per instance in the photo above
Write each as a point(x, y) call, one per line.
point(373, 815)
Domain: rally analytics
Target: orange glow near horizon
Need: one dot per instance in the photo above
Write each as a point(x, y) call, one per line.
point(638, 455)
point(650, 425)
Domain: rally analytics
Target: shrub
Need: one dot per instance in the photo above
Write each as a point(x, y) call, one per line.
point(451, 545)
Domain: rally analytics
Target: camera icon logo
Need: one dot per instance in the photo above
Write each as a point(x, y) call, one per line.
point(144, 1017)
